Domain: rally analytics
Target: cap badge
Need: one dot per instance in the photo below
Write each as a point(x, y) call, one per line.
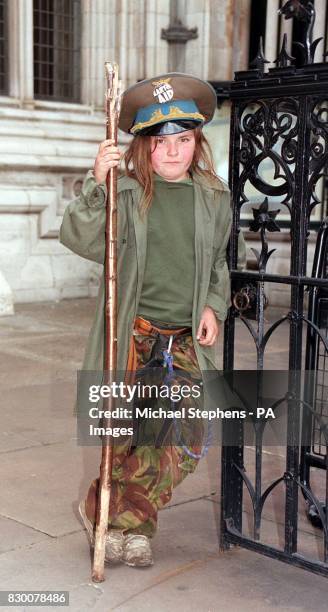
point(163, 90)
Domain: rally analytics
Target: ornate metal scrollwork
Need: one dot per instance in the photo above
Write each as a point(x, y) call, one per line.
point(318, 162)
point(268, 133)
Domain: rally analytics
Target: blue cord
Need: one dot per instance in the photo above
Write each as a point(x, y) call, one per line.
point(168, 363)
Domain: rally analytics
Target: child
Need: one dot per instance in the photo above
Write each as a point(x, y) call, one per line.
point(174, 222)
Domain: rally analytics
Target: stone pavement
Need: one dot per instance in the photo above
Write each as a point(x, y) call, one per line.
point(44, 473)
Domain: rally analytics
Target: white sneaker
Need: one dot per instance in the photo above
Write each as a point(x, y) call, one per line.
point(114, 538)
point(137, 551)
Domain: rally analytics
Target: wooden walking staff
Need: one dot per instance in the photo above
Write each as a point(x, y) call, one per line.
point(113, 102)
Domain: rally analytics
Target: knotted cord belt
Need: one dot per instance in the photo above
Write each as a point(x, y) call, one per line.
point(146, 328)
point(163, 357)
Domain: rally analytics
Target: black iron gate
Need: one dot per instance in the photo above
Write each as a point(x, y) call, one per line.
point(278, 156)
point(313, 454)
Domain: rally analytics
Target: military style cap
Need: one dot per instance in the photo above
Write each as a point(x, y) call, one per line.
point(167, 104)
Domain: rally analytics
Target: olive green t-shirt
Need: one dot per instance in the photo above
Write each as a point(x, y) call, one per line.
point(168, 285)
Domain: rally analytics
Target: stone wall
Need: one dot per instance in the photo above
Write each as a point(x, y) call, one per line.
point(44, 156)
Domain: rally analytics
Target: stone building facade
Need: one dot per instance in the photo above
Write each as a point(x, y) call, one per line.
point(48, 143)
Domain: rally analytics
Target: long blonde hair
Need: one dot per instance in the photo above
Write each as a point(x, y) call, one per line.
point(137, 159)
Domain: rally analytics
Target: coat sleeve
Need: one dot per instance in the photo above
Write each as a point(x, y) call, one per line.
point(219, 291)
point(83, 226)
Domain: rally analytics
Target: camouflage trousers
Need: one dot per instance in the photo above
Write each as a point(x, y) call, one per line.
point(144, 476)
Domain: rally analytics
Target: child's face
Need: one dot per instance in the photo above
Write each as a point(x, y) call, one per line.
point(172, 155)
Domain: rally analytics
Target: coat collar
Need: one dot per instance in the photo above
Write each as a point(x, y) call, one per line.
point(126, 182)
point(210, 184)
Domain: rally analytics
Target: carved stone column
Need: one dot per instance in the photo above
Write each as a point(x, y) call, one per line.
point(177, 36)
point(228, 38)
point(197, 14)
point(320, 27)
point(241, 33)
point(99, 42)
point(21, 51)
point(271, 32)
point(157, 15)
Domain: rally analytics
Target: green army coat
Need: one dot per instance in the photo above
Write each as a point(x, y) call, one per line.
point(83, 232)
